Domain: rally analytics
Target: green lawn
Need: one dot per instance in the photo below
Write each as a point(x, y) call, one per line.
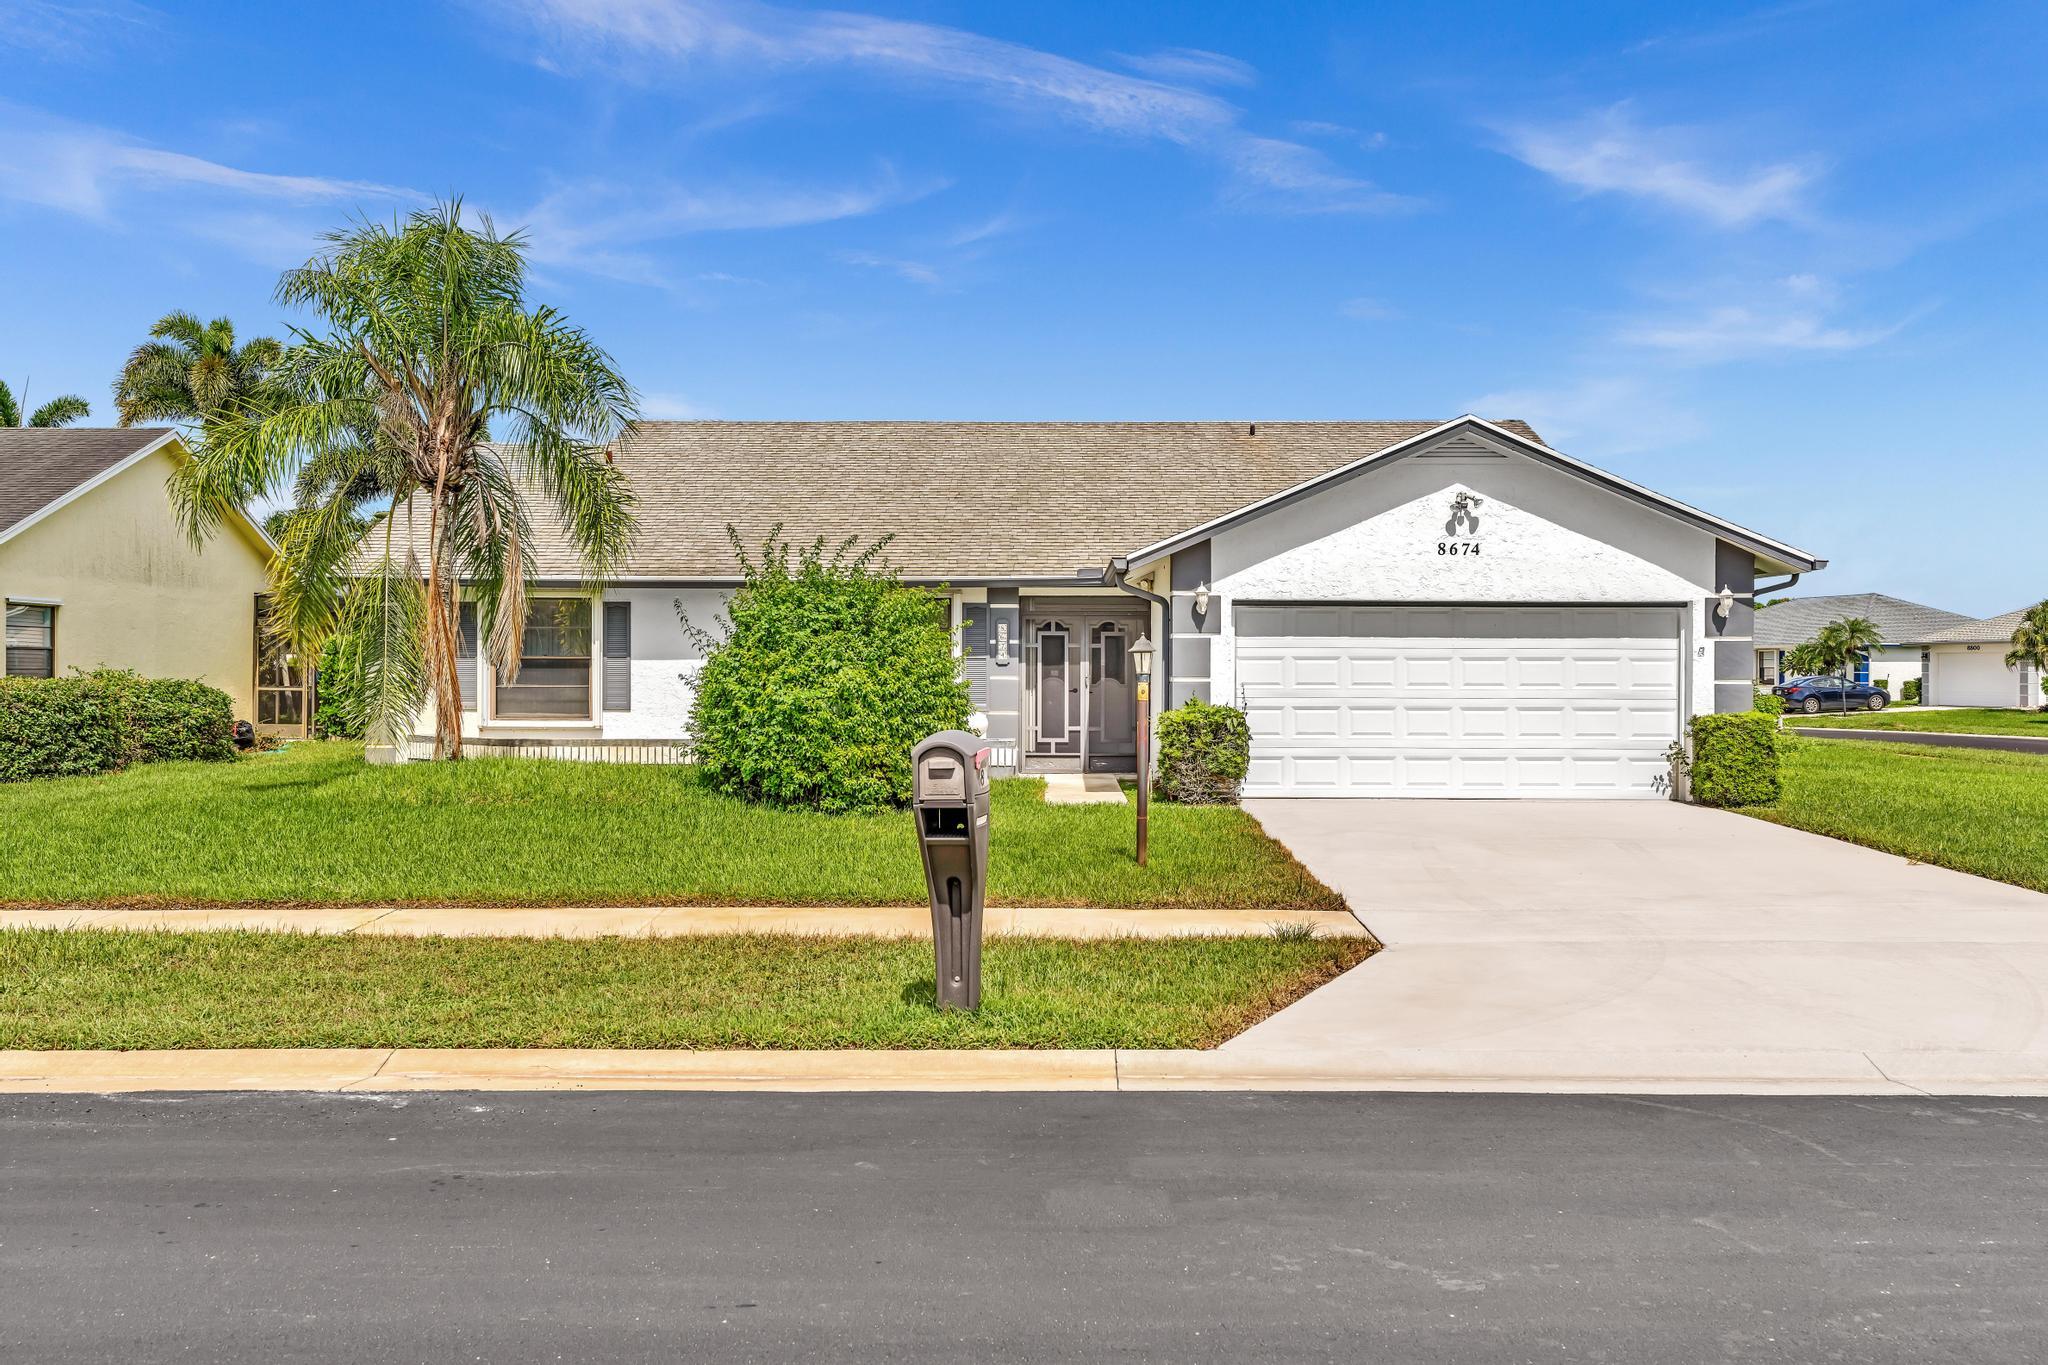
point(110, 989)
point(1974, 720)
point(1974, 810)
point(314, 825)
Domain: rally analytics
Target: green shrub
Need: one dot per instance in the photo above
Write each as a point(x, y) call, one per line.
point(828, 671)
point(1910, 693)
point(1204, 752)
point(1769, 704)
point(1735, 759)
point(171, 719)
point(61, 727)
point(340, 708)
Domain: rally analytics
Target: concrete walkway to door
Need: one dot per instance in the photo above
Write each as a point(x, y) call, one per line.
point(1645, 945)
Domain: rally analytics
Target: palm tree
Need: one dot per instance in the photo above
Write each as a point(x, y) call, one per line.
point(58, 412)
point(1840, 645)
point(426, 342)
point(2030, 643)
point(191, 373)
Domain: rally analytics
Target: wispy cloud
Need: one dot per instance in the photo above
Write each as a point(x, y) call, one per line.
point(916, 272)
point(86, 170)
point(1368, 310)
point(1315, 127)
point(1797, 313)
point(1611, 153)
point(1603, 415)
point(667, 36)
point(1193, 66)
point(73, 30)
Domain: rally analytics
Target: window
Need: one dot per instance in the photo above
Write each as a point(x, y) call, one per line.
point(554, 664)
point(281, 676)
point(31, 640)
point(1767, 666)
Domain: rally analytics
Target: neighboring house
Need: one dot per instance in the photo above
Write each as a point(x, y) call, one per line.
point(1905, 626)
point(1403, 608)
point(1967, 667)
point(96, 572)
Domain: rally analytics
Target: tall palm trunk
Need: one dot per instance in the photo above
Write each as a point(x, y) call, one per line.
point(442, 631)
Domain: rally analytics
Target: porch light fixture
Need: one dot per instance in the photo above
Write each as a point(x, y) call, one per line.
point(1202, 598)
point(1724, 603)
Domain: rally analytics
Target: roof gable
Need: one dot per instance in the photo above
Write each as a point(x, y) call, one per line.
point(43, 468)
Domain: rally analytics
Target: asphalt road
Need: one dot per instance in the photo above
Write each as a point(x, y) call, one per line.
point(666, 1227)
point(1940, 739)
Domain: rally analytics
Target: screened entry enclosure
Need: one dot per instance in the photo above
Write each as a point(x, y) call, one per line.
point(1081, 690)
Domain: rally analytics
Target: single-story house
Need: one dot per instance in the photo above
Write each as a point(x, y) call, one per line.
point(1966, 666)
point(96, 572)
point(1402, 608)
point(1905, 626)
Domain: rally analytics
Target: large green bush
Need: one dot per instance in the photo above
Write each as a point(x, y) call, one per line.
point(340, 708)
point(828, 670)
point(1204, 753)
point(61, 727)
point(1769, 704)
point(172, 719)
point(1735, 759)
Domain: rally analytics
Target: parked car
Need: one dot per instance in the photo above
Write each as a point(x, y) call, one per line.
point(1816, 694)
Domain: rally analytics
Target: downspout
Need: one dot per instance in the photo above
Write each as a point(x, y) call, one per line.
point(1113, 576)
point(1762, 588)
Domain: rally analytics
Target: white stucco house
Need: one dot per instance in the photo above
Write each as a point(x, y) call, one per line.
point(1402, 608)
point(1906, 627)
point(1966, 666)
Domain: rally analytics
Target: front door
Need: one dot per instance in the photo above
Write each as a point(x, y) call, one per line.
point(1080, 692)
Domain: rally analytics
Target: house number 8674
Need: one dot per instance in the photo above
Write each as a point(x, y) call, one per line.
point(1457, 547)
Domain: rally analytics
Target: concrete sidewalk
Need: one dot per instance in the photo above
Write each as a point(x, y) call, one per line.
point(678, 921)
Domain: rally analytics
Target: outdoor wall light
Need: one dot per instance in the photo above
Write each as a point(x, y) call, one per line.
point(1202, 599)
point(1724, 603)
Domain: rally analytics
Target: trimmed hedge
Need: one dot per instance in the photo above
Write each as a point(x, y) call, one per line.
point(1769, 704)
point(1204, 752)
point(1735, 759)
point(1910, 693)
point(98, 722)
point(61, 727)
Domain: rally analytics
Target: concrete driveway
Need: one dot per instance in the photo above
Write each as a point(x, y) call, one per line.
point(1648, 945)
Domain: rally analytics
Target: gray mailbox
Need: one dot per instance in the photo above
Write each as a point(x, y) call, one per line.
point(949, 777)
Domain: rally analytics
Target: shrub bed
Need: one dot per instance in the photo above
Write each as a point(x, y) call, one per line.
point(1204, 753)
point(1735, 759)
point(98, 722)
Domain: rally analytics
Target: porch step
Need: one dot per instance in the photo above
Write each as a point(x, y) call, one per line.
point(1082, 789)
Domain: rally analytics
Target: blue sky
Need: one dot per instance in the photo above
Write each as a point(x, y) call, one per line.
point(1783, 261)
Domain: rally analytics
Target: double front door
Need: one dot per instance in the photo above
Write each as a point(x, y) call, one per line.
point(1080, 690)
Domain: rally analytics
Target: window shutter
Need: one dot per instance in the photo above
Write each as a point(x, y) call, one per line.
point(465, 655)
point(618, 656)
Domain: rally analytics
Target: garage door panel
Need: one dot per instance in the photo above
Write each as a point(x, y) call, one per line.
point(1396, 701)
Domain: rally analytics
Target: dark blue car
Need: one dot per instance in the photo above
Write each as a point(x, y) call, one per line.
point(1831, 694)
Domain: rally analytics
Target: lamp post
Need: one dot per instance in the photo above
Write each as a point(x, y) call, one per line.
point(1141, 660)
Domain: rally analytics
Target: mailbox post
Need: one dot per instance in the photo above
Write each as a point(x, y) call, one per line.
point(949, 777)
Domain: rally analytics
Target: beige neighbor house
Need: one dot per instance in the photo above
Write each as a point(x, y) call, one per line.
point(1966, 666)
point(96, 572)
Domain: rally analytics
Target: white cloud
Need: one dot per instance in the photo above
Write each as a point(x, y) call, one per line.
point(1193, 66)
point(1608, 415)
point(681, 35)
point(1610, 153)
point(1368, 310)
point(1794, 314)
point(1315, 127)
point(916, 272)
point(86, 170)
point(73, 30)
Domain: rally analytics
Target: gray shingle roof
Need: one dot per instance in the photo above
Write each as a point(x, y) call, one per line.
point(1997, 629)
point(39, 465)
point(1796, 620)
point(965, 500)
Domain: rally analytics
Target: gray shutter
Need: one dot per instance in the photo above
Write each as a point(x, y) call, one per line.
point(618, 656)
point(465, 655)
point(974, 653)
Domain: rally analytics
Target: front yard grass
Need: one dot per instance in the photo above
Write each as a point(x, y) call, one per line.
point(314, 825)
point(126, 990)
point(1974, 810)
point(1969, 720)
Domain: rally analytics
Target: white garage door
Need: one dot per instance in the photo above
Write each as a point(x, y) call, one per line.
point(1974, 677)
point(1458, 701)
